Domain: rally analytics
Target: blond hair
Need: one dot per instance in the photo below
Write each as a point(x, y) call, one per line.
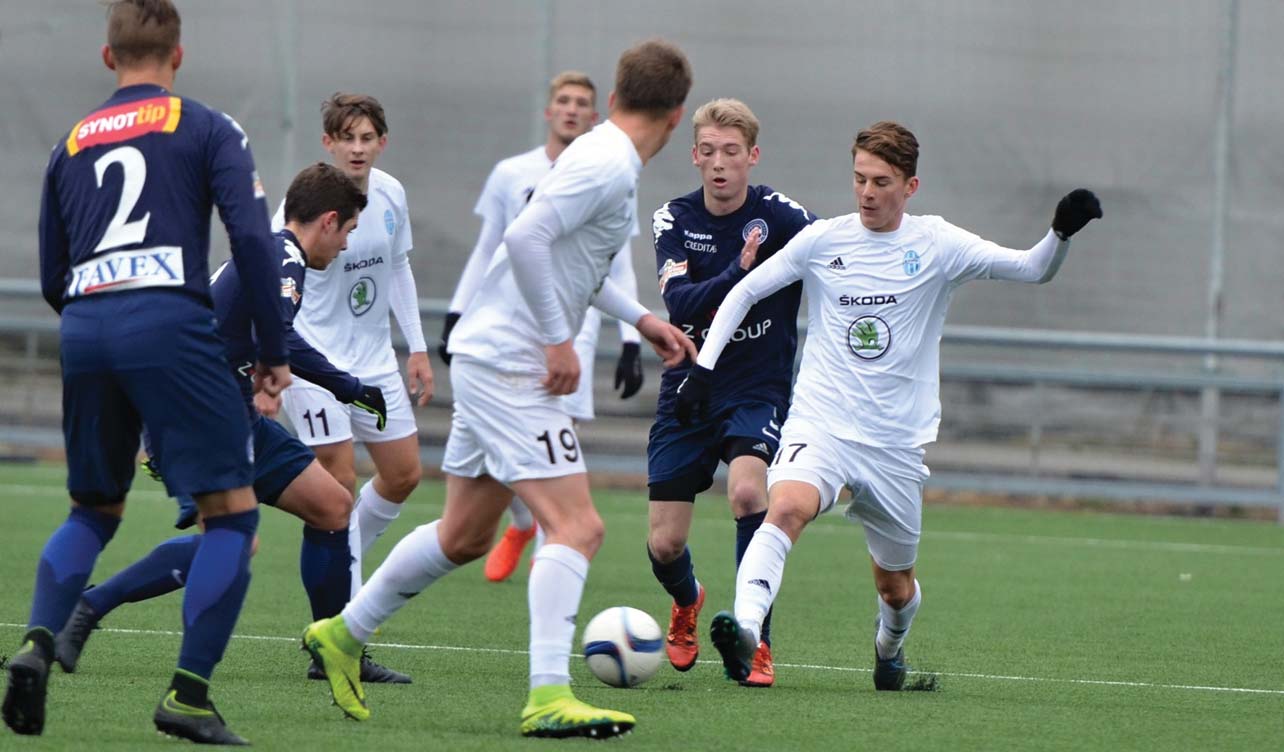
point(571, 78)
point(727, 113)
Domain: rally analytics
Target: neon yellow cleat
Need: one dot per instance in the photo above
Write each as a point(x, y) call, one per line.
point(553, 712)
point(338, 653)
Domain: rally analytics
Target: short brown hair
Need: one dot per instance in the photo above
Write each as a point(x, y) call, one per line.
point(891, 142)
point(652, 77)
point(319, 189)
point(342, 109)
point(727, 113)
point(571, 78)
point(142, 30)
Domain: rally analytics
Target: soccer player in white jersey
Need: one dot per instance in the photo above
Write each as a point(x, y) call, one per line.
point(571, 111)
point(345, 315)
point(514, 357)
point(867, 396)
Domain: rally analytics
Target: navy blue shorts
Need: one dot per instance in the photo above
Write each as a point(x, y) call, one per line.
point(279, 458)
point(154, 360)
point(676, 451)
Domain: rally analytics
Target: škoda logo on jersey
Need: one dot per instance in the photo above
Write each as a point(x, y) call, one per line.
point(125, 121)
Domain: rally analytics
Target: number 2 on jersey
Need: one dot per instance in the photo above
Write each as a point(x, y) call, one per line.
point(120, 231)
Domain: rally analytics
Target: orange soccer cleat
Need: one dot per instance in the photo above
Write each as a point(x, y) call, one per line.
point(681, 644)
point(502, 560)
point(763, 671)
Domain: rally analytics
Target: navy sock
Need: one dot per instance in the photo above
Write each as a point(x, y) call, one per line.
point(745, 528)
point(216, 587)
point(677, 577)
point(65, 565)
point(162, 571)
point(324, 559)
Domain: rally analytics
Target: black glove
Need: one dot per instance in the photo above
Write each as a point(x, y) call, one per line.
point(628, 371)
point(451, 320)
point(152, 469)
point(371, 400)
point(693, 395)
point(1074, 211)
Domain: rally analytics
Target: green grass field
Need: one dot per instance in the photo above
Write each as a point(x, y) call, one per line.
point(1049, 630)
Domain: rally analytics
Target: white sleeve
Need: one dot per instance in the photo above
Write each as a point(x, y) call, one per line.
point(614, 301)
point(529, 239)
point(404, 301)
point(278, 219)
point(976, 258)
point(622, 275)
point(492, 233)
point(784, 268)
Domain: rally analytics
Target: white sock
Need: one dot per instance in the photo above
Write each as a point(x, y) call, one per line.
point(758, 579)
point(376, 514)
point(894, 625)
point(522, 519)
point(354, 550)
point(415, 563)
point(556, 584)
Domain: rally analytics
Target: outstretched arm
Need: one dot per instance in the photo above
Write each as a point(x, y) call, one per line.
point(1040, 263)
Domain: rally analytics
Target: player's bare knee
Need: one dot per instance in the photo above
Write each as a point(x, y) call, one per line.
point(332, 512)
point(666, 547)
point(747, 497)
point(790, 516)
point(397, 485)
point(896, 592)
point(586, 535)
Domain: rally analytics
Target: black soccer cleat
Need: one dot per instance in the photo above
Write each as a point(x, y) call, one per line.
point(889, 673)
point(734, 643)
point(372, 672)
point(202, 725)
point(24, 700)
point(69, 643)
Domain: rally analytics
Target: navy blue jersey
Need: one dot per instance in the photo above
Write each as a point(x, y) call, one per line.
point(236, 324)
point(697, 256)
point(127, 201)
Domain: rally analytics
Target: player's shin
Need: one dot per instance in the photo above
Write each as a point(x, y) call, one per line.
point(65, 565)
point(759, 577)
point(894, 623)
point(414, 563)
point(554, 592)
point(375, 512)
point(163, 570)
point(216, 587)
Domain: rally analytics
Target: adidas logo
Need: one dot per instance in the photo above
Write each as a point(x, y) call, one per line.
point(761, 446)
point(762, 584)
point(837, 264)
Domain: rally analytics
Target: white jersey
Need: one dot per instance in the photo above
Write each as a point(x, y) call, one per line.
point(876, 305)
point(593, 191)
point(345, 314)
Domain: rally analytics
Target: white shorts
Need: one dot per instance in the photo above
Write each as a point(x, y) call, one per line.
point(579, 404)
point(507, 426)
point(318, 418)
point(886, 484)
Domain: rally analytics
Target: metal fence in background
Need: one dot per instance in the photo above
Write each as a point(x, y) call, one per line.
point(1026, 412)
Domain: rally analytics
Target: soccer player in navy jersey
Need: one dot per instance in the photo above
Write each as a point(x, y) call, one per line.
point(321, 208)
point(124, 255)
point(705, 242)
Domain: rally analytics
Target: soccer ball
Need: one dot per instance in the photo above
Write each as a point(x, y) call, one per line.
point(623, 646)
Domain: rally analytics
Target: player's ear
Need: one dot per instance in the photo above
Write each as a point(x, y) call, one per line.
point(383, 141)
point(675, 117)
point(109, 60)
point(326, 141)
point(176, 57)
point(330, 221)
point(753, 155)
point(911, 186)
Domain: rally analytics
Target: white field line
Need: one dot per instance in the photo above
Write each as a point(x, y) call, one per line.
point(15, 491)
point(806, 666)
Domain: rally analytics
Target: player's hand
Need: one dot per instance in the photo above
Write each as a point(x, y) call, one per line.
point(267, 405)
point(419, 372)
point(271, 379)
point(563, 368)
point(1075, 210)
point(749, 253)
point(669, 342)
point(693, 395)
point(628, 370)
point(452, 318)
point(371, 400)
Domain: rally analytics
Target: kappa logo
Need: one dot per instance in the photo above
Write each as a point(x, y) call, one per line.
point(836, 265)
point(362, 296)
point(292, 255)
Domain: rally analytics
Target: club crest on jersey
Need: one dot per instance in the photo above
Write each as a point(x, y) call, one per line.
point(125, 121)
point(758, 224)
point(389, 221)
point(912, 263)
point(869, 337)
point(362, 296)
point(290, 290)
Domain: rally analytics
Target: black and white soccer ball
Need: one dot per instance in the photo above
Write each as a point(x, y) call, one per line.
point(623, 646)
